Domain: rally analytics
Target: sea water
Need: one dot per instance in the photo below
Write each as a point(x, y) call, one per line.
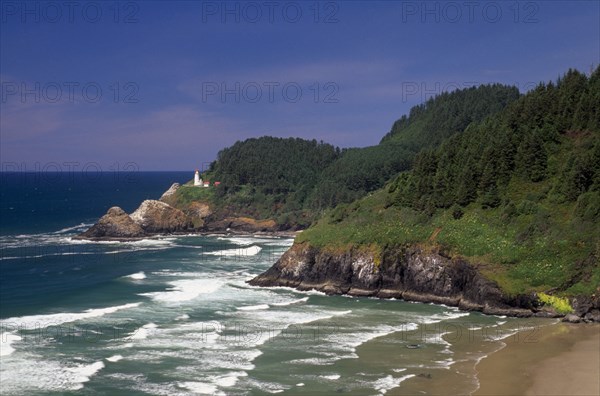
point(173, 315)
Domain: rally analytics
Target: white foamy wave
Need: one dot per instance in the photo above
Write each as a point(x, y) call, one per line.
point(291, 289)
point(383, 385)
point(143, 332)
point(183, 317)
point(46, 255)
point(447, 315)
point(344, 343)
point(286, 303)
point(241, 252)
point(83, 373)
point(238, 240)
point(6, 341)
point(27, 374)
point(332, 377)
point(137, 276)
point(114, 358)
point(79, 227)
point(185, 290)
point(200, 388)
point(151, 242)
point(40, 321)
point(313, 361)
point(253, 307)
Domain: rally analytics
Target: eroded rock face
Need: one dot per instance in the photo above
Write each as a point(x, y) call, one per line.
point(158, 217)
point(408, 273)
point(115, 224)
point(168, 195)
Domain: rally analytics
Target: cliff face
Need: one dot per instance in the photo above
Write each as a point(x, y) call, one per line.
point(408, 273)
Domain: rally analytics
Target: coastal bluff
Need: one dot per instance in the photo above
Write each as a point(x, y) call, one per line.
point(410, 273)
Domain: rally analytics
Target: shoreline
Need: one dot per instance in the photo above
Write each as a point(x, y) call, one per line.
point(557, 359)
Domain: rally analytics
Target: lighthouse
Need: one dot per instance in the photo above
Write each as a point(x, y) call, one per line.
point(197, 180)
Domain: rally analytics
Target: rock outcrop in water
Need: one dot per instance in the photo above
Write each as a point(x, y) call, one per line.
point(163, 217)
point(156, 217)
point(152, 217)
point(115, 224)
point(409, 273)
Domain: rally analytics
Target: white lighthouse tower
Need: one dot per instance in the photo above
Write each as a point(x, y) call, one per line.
point(197, 180)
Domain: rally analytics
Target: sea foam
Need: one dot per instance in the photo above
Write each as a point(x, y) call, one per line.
point(41, 321)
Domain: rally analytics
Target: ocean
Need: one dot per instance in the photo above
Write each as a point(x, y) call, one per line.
point(173, 315)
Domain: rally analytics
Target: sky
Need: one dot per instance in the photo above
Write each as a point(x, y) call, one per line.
point(165, 85)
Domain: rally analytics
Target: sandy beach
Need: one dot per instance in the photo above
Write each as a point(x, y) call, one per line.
point(560, 359)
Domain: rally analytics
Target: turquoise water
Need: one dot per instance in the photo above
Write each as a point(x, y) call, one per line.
point(174, 316)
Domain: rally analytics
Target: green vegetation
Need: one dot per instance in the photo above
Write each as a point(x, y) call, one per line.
point(518, 193)
point(561, 305)
point(187, 194)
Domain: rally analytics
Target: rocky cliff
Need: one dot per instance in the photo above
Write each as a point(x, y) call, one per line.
point(409, 273)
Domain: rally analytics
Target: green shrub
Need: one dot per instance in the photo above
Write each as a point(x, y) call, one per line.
point(560, 304)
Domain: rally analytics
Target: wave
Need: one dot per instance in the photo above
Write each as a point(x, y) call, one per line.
point(344, 344)
point(447, 315)
point(247, 241)
point(253, 307)
point(185, 290)
point(45, 255)
point(83, 373)
point(137, 276)
point(240, 252)
point(286, 303)
point(80, 226)
point(143, 332)
point(383, 385)
point(202, 388)
point(332, 377)
point(114, 358)
point(6, 341)
point(29, 374)
point(41, 321)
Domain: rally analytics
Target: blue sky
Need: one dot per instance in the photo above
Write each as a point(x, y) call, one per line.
point(166, 85)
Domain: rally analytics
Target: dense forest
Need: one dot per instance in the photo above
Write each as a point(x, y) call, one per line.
point(295, 180)
point(517, 192)
point(548, 136)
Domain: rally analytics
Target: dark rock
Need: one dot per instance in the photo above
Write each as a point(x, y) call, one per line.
point(571, 318)
point(115, 224)
point(584, 304)
point(410, 273)
point(593, 315)
point(156, 217)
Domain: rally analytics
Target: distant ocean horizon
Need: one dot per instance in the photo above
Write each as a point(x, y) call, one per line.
point(174, 314)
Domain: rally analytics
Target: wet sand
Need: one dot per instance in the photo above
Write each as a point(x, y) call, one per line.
point(559, 359)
